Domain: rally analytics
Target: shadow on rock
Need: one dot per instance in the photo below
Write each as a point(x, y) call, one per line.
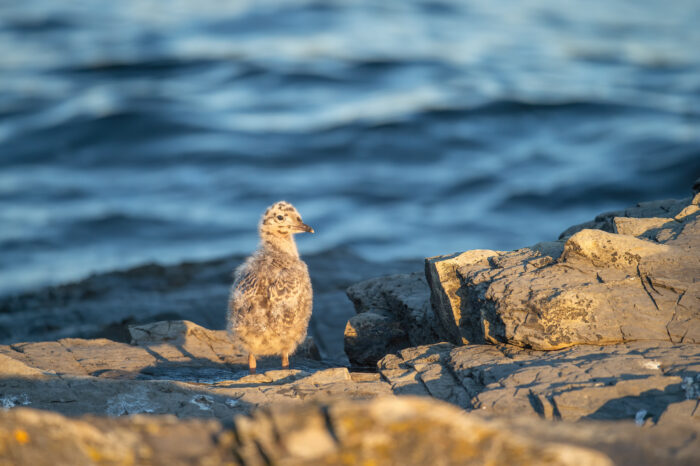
point(172, 367)
point(650, 404)
point(611, 382)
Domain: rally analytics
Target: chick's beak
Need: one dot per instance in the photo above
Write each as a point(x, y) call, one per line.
point(306, 228)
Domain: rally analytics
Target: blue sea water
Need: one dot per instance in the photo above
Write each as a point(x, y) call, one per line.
point(141, 130)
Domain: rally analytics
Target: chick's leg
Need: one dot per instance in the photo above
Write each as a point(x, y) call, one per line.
point(285, 361)
point(251, 363)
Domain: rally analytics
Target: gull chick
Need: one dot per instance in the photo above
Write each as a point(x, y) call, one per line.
point(270, 302)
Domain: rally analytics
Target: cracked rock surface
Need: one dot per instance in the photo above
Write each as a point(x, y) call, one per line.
point(641, 282)
point(660, 379)
point(180, 368)
point(602, 325)
point(172, 367)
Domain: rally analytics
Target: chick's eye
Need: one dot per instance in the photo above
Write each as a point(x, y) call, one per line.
point(279, 217)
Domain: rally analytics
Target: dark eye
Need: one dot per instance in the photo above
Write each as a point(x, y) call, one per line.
point(298, 219)
point(279, 217)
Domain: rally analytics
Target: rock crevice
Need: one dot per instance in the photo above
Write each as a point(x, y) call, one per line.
point(596, 287)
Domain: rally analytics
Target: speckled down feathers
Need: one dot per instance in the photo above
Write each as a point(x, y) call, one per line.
point(271, 297)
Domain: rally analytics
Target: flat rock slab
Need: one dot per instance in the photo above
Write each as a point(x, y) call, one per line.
point(641, 282)
point(645, 382)
point(387, 430)
point(172, 367)
point(180, 368)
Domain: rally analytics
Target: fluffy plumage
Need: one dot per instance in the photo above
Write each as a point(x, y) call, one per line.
point(271, 297)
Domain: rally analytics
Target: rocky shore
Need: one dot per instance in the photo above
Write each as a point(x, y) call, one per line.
point(581, 350)
point(105, 305)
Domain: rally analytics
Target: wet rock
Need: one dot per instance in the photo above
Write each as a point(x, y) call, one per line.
point(388, 430)
point(393, 313)
point(596, 287)
point(584, 382)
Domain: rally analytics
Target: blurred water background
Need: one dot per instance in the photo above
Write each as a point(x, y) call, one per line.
point(141, 130)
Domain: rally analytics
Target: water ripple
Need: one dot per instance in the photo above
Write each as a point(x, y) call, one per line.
point(399, 128)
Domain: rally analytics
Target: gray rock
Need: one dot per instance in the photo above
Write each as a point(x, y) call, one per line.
point(660, 379)
point(639, 226)
point(371, 335)
point(594, 288)
point(454, 314)
point(667, 208)
point(171, 367)
point(388, 430)
point(183, 369)
point(393, 313)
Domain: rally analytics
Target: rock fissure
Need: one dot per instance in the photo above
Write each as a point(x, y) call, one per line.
point(644, 285)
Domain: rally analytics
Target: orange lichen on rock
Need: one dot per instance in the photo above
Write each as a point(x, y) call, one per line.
point(21, 436)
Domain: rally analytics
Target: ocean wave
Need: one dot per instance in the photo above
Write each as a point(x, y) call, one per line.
point(399, 129)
